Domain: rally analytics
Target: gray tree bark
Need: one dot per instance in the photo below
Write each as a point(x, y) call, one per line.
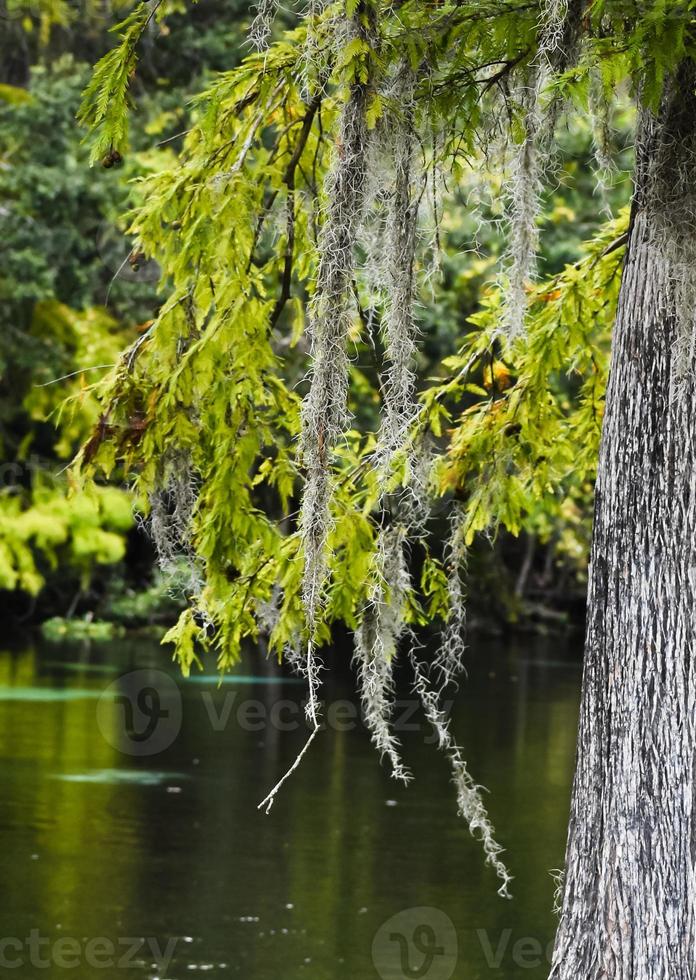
point(629, 894)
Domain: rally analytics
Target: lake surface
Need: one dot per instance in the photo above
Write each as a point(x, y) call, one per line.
point(132, 845)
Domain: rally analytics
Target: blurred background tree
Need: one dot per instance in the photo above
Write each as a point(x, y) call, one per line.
point(71, 294)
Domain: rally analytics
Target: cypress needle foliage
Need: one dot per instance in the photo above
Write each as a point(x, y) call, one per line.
point(294, 221)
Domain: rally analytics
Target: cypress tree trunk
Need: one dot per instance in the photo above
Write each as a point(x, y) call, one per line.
point(629, 896)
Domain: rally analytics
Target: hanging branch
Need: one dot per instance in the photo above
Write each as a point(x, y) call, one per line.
point(449, 661)
point(469, 799)
point(383, 624)
point(557, 49)
point(398, 323)
point(523, 234)
point(289, 181)
point(376, 643)
point(390, 274)
point(312, 71)
point(600, 121)
point(324, 409)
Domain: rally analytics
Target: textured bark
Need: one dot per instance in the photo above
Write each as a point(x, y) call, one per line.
point(628, 903)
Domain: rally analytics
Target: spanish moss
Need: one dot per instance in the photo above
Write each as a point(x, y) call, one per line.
point(449, 661)
point(558, 49)
point(376, 644)
point(262, 24)
point(324, 411)
point(600, 121)
point(470, 803)
point(172, 507)
point(399, 326)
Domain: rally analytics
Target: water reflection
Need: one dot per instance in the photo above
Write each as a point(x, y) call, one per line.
point(101, 842)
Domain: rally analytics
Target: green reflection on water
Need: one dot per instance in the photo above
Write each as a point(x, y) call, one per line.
point(45, 694)
point(143, 777)
point(235, 679)
point(98, 843)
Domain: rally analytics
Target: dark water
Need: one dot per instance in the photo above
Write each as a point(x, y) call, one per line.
point(132, 846)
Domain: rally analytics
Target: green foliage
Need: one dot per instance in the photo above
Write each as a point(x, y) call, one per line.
point(54, 206)
point(57, 629)
point(523, 455)
point(159, 603)
point(291, 205)
point(53, 248)
point(210, 389)
point(106, 98)
point(55, 531)
point(48, 349)
point(63, 252)
point(233, 224)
